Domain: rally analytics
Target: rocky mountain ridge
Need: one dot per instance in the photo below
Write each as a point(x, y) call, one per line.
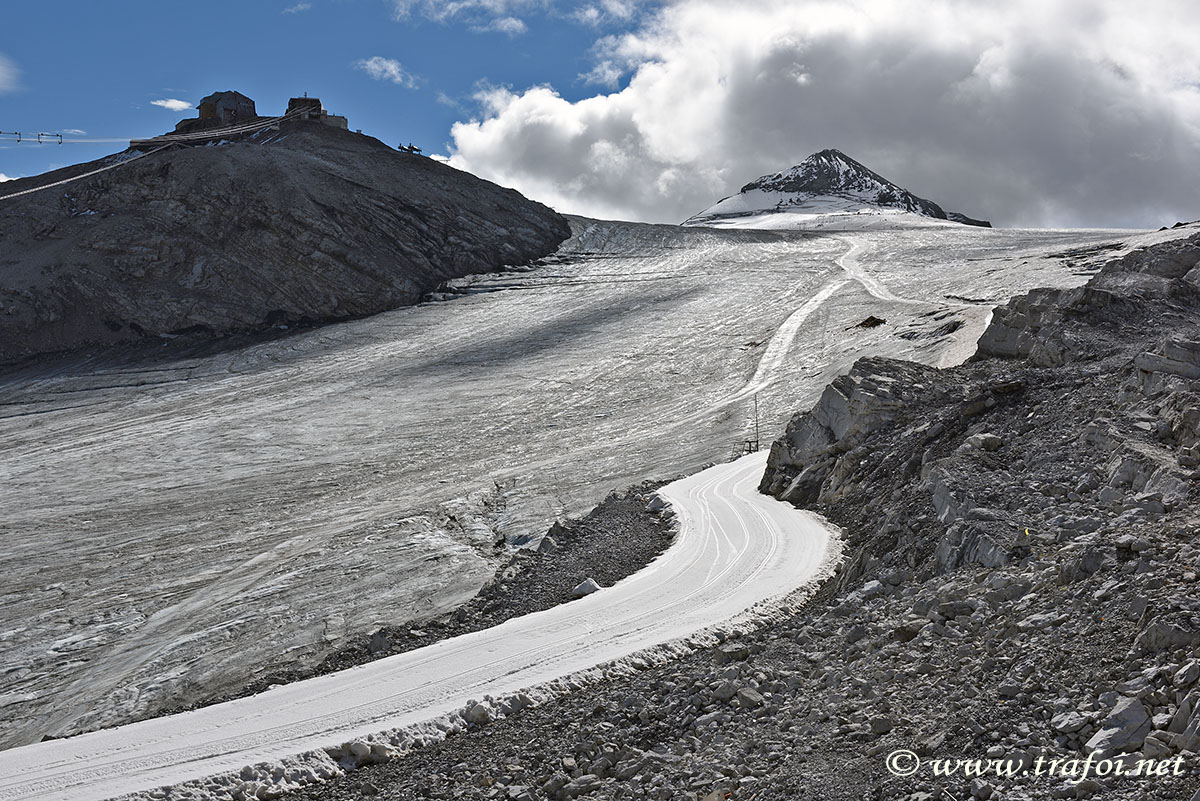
point(302, 224)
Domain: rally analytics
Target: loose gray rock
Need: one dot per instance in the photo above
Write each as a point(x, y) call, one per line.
point(1123, 730)
point(585, 587)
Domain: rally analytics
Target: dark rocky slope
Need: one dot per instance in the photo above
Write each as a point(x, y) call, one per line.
point(305, 224)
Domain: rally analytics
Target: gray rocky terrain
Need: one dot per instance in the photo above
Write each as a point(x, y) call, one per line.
point(1020, 586)
point(303, 224)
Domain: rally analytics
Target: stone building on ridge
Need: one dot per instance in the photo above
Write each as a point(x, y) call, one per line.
point(228, 107)
point(310, 108)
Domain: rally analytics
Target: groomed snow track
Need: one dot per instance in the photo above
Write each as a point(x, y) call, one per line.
point(736, 550)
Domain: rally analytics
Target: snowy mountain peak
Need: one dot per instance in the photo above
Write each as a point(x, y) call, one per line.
point(832, 172)
point(822, 173)
point(827, 187)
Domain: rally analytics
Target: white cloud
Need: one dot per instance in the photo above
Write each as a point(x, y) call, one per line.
point(503, 15)
point(508, 25)
point(74, 131)
point(8, 75)
point(448, 101)
point(4, 178)
point(172, 104)
point(1071, 112)
point(606, 11)
point(480, 15)
point(605, 73)
point(298, 8)
point(442, 10)
point(387, 69)
point(588, 15)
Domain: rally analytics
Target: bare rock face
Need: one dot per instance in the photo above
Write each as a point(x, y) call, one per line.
point(1040, 325)
point(1091, 396)
point(801, 465)
point(301, 225)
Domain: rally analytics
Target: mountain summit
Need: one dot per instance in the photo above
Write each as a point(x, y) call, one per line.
point(825, 188)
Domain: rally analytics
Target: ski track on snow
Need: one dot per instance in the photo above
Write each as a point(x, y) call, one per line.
point(736, 550)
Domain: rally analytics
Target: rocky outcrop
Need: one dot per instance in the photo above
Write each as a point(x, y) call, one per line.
point(802, 466)
point(300, 225)
point(1042, 494)
point(1042, 326)
point(958, 217)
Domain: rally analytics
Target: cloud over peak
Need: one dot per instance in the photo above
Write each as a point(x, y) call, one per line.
point(1063, 112)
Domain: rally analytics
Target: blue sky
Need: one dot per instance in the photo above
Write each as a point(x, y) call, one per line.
point(98, 66)
point(1059, 113)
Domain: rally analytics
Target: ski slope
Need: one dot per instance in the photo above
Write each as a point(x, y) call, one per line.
point(736, 548)
point(179, 523)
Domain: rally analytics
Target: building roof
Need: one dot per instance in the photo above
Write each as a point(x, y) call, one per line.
point(228, 94)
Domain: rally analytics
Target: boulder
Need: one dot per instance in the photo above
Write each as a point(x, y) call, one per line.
point(379, 643)
point(731, 652)
point(726, 690)
point(479, 714)
point(749, 697)
point(1124, 729)
point(985, 442)
point(585, 587)
point(1170, 632)
point(1069, 722)
point(584, 784)
point(953, 609)
point(1187, 674)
